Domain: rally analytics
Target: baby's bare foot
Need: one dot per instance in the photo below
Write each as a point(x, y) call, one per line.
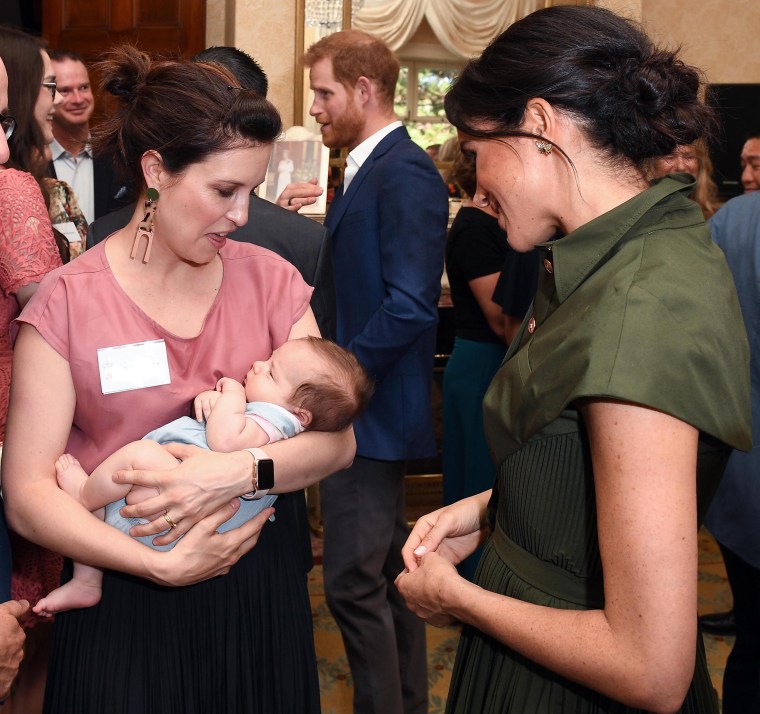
point(74, 594)
point(70, 474)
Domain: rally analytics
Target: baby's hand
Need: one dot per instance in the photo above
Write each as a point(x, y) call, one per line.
point(204, 403)
point(229, 385)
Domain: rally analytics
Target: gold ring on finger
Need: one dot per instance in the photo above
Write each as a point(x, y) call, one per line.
point(171, 523)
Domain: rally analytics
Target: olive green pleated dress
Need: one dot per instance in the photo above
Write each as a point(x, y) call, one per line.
point(636, 305)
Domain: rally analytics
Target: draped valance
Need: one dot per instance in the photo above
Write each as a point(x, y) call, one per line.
point(463, 27)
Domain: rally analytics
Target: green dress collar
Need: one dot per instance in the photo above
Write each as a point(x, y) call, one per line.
point(636, 305)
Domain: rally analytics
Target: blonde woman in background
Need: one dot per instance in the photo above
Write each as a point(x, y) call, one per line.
point(692, 159)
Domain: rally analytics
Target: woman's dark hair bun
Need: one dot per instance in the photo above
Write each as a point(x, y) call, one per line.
point(634, 100)
point(655, 99)
point(184, 110)
point(124, 70)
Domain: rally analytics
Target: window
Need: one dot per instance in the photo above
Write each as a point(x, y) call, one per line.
point(421, 88)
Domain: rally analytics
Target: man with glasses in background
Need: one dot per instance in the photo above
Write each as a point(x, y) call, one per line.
point(92, 178)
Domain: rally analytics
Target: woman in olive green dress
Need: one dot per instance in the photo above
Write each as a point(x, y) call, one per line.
point(614, 413)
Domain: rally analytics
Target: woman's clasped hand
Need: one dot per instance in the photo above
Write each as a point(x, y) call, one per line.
point(438, 542)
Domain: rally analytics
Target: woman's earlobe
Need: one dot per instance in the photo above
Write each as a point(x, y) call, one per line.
point(152, 167)
point(538, 115)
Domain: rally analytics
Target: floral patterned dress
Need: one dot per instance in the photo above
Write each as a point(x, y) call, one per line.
point(27, 253)
point(64, 208)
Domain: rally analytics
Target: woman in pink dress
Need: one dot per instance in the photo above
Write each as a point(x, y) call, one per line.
point(11, 632)
point(28, 251)
point(120, 341)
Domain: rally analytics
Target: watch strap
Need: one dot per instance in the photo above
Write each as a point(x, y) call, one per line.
point(257, 493)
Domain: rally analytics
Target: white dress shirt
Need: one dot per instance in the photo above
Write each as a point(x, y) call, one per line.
point(361, 153)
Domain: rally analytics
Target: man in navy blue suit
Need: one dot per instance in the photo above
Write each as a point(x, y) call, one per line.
point(388, 226)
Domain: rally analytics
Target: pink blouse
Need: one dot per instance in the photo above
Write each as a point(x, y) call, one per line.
point(81, 308)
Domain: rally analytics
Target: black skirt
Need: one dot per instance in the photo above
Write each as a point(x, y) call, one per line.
point(240, 643)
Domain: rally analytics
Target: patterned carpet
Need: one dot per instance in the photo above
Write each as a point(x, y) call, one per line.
point(714, 596)
point(335, 676)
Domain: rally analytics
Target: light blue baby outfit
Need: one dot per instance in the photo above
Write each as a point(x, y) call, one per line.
point(279, 423)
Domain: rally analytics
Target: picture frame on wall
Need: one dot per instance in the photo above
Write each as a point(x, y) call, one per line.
point(297, 156)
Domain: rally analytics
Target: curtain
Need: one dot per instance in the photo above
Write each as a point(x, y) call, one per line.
point(464, 27)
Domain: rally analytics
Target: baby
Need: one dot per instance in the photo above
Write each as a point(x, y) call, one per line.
point(307, 384)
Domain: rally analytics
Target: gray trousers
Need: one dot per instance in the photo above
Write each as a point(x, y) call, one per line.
point(363, 513)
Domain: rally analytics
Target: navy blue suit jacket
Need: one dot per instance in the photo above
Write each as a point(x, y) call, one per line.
point(389, 233)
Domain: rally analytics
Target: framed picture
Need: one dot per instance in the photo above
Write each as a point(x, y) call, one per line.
point(298, 156)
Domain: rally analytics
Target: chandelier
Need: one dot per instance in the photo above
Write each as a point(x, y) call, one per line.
point(328, 14)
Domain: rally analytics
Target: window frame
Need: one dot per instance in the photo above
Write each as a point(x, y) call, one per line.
point(413, 67)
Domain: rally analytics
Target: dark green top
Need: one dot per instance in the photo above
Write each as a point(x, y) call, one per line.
point(636, 305)
point(641, 306)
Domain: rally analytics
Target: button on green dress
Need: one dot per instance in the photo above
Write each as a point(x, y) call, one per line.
point(637, 305)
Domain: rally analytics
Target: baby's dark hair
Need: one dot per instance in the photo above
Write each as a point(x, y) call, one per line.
point(335, 399)
point(634, 100)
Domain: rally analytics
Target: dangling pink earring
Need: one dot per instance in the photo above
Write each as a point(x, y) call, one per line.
point(145, 227)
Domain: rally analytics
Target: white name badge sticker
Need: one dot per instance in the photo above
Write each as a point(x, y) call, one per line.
point(136, 366)
point(69, 230)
